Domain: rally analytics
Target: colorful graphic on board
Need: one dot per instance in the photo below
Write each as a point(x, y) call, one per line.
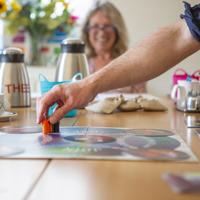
point(96, 143)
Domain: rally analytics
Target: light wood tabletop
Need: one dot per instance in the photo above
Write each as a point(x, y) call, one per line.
point(84, 179)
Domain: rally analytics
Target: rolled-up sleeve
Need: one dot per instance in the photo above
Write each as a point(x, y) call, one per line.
point(192, 18)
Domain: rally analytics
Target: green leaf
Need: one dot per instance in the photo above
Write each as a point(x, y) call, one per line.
point(49, 9)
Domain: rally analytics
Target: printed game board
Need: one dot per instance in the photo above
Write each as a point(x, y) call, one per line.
point(94, 143)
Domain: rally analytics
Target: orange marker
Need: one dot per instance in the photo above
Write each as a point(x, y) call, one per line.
point(45, 126)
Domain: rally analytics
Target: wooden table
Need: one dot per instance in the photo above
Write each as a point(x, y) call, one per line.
point(74, 179)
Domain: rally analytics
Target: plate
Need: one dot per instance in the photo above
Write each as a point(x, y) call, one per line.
point(6, 116)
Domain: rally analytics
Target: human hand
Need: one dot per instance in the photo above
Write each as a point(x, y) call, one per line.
point(68, 96)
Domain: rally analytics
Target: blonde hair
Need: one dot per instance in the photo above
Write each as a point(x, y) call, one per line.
point(111, 12)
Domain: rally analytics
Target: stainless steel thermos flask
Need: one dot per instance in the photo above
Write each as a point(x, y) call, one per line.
point(14, 80)
point(72, 60)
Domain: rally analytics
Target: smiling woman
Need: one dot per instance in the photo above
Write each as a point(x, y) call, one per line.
point(105, 36)
point(105, 14)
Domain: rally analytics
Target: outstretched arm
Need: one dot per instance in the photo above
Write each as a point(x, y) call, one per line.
point(149, 58)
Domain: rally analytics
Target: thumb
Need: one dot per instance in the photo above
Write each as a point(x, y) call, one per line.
point(58, 114)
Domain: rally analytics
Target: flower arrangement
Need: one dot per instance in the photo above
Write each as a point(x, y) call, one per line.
point(38, 17)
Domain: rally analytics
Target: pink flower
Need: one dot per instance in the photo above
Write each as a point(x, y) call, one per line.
point(73, 17)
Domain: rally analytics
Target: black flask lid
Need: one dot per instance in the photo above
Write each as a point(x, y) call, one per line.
point(72, 46)
point(12, 55)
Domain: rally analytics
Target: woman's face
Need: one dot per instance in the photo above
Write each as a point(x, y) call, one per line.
point(102, 34)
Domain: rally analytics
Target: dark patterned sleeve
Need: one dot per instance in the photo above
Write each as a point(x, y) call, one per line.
point(192, 18)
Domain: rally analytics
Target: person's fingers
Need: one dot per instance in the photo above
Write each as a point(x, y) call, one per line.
point(42, 110)
point(59, 113)
point(68, 96)
point(44, 103)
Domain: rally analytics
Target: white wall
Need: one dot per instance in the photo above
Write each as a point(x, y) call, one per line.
point(143, 17)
